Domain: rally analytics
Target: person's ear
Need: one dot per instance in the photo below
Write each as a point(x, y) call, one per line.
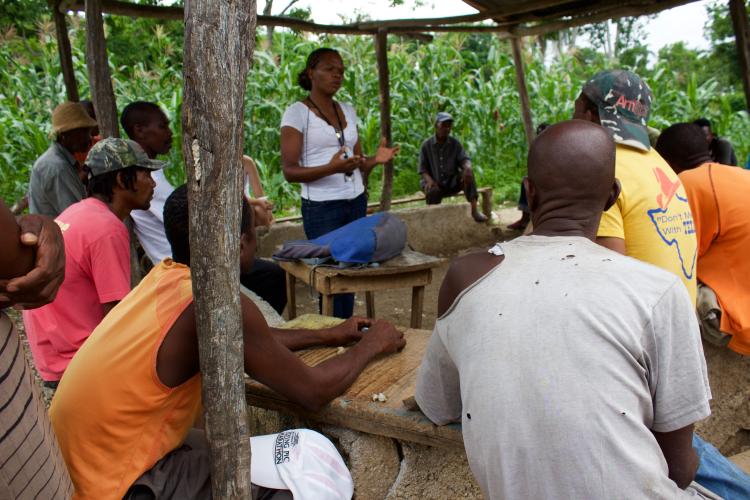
point(614, 193)
point(531, 195)
point(138, 131)
point(119, 182)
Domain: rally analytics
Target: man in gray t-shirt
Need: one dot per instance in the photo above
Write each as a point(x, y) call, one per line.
point(55, 183)
point(445, 167)
point(576, 372)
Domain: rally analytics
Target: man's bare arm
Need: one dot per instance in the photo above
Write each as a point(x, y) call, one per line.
point(464, 271)
point(15, 258)
point(271, 363)
point(677, 447)
point(38, 286)
point(347, 332)
point(616, 244)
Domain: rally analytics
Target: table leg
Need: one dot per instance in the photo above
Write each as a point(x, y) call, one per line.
point(291, 299)
point(417, 301)
point(370, 302)
point(327, 305)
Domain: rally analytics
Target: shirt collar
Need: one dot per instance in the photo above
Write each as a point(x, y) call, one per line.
point(64, 153)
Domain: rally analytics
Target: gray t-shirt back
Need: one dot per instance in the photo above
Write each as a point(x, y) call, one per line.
point(558, 363)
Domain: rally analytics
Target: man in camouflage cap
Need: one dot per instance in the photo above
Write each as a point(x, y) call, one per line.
point(97, 254)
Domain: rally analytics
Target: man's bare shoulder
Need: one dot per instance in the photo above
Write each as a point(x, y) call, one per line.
point(464, 271)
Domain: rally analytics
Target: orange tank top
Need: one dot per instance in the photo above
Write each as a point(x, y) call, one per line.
point(113, 417)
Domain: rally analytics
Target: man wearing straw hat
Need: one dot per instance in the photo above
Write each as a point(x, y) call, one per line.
point(55, 183)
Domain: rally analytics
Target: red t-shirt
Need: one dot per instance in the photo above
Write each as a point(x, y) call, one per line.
point(97, 271)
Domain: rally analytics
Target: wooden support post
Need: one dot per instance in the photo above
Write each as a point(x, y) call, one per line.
point(742, 40)
point(64, 52)
point(291, 296)
point(219, 42)
point(100, 81)
point(381, 52)
point(417, 304)
point(370, 304)
point(523, 93)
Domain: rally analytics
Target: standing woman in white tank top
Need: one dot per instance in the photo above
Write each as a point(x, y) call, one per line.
point(320, 149)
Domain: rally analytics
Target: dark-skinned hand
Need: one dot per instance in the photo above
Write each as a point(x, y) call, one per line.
point(347, 332)
point(39, 286)
point(345, 165)
point(387, 337)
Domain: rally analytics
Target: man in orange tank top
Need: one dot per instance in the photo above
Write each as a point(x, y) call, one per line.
point(138, 378)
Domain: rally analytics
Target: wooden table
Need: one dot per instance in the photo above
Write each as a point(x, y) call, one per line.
point(393, 375)
point(410, 269)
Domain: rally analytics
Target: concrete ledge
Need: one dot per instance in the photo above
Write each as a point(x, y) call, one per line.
point(384, 468)
point(434, 230)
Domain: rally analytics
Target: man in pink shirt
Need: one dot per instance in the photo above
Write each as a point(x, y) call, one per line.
point(97, 254)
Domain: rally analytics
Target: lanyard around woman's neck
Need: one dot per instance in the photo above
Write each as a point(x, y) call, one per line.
point(339, 131)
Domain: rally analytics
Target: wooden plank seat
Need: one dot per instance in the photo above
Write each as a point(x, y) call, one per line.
point(410, 269)
point(485, 193)
point(393, 375)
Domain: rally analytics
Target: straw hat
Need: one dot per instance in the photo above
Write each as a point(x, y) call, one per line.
point(70, 116)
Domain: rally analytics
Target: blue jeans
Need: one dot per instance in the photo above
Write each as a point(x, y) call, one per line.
point(718, 474)
point(321, 217)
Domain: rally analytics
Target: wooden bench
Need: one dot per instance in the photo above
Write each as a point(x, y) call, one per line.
point(410, 269)
point(394, 376)
point(485, 194)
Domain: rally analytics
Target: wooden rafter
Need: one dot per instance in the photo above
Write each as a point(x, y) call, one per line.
point(522, 19)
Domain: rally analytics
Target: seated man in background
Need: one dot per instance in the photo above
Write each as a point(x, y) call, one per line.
point(97, 253)
point(55, 183)
point(446, 168)
point(148, 125)
point(720, 149)
point(138, 377)
point(575, 372)
point(718, 197)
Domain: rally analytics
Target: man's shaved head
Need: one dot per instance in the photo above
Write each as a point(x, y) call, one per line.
point(572, 174)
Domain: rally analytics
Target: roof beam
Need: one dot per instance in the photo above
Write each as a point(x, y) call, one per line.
point(613, 12)
point(510, 21)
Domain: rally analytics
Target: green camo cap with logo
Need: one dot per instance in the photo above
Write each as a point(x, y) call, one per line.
point(624, 102)
point(111, 154)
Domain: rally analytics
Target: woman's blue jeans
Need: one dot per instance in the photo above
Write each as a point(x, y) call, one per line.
point(321, 217)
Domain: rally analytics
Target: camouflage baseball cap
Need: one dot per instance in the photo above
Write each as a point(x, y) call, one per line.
point(111, 154)
point(624, 102)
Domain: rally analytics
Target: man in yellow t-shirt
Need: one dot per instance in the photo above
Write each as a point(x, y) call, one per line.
point(718, 199)
point(651, 220)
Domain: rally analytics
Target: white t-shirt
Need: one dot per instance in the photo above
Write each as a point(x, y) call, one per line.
point(319, 144)
point(558, 363)
point(149, 224)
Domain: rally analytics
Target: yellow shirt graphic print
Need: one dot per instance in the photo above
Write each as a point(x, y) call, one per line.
point(652, 215)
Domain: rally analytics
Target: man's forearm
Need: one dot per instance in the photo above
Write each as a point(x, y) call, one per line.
point(337, 374)
point(296, 339)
